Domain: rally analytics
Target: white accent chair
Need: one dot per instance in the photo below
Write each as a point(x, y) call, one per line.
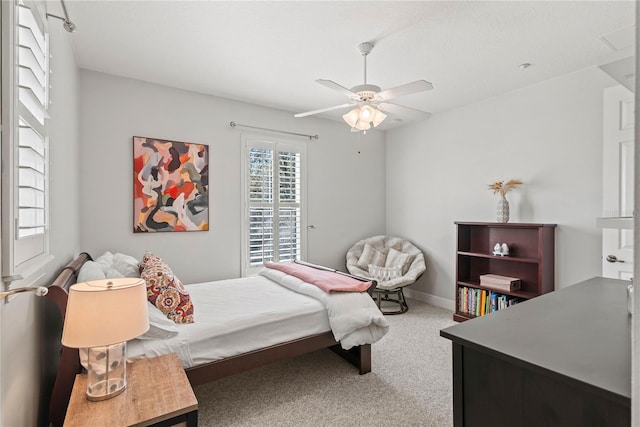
point(387, 251)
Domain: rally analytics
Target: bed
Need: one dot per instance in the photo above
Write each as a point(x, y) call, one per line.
point(199, 367)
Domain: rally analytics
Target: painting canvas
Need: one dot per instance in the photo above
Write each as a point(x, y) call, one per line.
point(170, 186)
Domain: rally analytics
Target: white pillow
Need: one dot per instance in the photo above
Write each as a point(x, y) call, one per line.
point(399, 259)
point(160, 326)
point(112, 273)
point(90, 270)
point(370, 255)
point(118, 265)
point(126, 265)
point(105, 261)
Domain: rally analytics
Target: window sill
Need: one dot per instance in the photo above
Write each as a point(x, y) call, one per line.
point(31, 271)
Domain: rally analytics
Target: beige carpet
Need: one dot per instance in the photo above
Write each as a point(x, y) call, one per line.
point(410, 384)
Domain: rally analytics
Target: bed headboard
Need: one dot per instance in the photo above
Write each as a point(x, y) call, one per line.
point(69, 359)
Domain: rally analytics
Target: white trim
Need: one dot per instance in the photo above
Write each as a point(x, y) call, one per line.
point(430, 299)
point(9, 103)
point(635, 326)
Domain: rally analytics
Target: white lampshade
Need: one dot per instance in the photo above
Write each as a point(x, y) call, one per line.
point(105, 312)
point(352, 117)
point(378, 117)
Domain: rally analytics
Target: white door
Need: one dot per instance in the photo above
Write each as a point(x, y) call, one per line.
point(617, 181)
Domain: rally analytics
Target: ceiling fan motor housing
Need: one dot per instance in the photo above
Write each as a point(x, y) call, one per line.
point(366, 92)
point(365, 48)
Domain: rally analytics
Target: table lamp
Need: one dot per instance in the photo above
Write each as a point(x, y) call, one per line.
point(101, 316)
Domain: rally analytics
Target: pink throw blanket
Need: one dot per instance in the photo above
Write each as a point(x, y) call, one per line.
point(328, 281)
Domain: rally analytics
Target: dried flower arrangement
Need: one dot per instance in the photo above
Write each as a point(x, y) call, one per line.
point(502, 188)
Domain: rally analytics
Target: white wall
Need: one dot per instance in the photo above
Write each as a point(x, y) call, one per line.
point(549, 135)
point(29, 351)
point(346, 189)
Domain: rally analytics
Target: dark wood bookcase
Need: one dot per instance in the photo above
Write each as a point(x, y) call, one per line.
point(531, 257)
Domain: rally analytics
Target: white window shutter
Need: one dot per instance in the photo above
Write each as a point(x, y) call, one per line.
point(289, 180)
point(273, 190)
point(25, 142)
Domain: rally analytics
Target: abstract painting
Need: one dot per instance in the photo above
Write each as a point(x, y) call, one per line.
point(170, 186)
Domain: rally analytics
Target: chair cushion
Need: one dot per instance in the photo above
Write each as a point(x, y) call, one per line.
point(397, 258)
point(371, 255)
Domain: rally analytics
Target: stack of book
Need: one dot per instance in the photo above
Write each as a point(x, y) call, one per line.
point(500, 283)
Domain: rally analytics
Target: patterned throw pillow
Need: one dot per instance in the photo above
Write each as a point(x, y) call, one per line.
point(165, 290)
point(370, 255)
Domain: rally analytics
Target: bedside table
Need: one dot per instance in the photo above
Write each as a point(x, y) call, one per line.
point(158, 392)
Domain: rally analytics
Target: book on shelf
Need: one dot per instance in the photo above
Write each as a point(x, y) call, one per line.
point(494, 302)
point(483, 303)
point(478, 302)
point(502, 283)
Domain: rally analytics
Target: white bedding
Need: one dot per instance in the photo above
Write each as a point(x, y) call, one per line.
point(236, 316)
point(354, 317)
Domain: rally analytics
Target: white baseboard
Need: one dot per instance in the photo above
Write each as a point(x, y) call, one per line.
point(430, 299)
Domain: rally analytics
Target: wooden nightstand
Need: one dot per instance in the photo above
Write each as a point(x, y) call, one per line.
point(158, 392)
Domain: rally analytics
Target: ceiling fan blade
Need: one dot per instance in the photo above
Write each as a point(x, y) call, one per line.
point(407, 89)
point(401, 110)
point(322, 110)
point(335, 86)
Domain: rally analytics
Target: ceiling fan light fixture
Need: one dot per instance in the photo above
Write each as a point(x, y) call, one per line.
point(363, 118)
point(351, 118)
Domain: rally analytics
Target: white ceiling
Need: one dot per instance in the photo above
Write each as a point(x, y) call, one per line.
point(271, 52)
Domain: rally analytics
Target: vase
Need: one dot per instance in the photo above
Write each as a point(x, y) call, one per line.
point(502, 211)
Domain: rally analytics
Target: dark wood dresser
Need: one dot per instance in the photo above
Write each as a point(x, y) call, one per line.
point(562, 359)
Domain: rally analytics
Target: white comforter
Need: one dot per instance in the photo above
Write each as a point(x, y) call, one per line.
point(354, 317)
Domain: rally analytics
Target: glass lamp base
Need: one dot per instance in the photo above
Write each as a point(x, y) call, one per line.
point(106, 371)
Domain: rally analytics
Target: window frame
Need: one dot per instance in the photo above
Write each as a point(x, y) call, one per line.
point(277, 144)
point(23, 258)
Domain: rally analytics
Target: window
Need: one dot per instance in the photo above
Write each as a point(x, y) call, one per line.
point(25, 83)
point(273, 202)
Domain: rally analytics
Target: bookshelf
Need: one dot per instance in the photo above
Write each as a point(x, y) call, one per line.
point(531, 259)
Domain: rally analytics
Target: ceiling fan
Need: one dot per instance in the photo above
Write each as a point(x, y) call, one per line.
point(370, 101)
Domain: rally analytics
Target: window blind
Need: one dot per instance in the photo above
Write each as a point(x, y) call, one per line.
point(289, 208)
point(32, 113)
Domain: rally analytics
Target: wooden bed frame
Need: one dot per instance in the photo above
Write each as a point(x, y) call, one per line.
point(70, 361)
